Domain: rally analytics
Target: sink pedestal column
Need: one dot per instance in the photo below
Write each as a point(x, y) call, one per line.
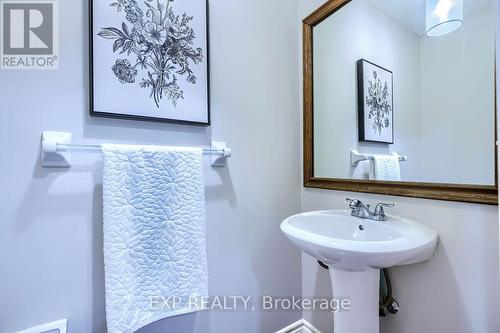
point(362, 288)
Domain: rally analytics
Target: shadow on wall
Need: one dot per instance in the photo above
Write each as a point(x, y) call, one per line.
point(442, 299)
point(428, 307)
point(58, 213)
point(323, 320)
point(269, 321)
point(49, 203)
point(224, 190)
point(126, 130)
point(271, 242)
point(98, 295)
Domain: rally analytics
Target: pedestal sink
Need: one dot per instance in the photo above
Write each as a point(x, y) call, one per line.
point(355, 250)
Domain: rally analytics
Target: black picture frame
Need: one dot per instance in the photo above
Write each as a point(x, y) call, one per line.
point(362, 102)
point(105, 114)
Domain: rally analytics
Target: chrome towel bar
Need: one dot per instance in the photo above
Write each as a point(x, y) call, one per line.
point(57, 148)
point(357, 157)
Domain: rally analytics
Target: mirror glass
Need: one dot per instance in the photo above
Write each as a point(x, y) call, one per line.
point(405, 91)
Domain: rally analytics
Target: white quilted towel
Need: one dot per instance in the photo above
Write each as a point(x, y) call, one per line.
point(386, 167)
point(154, 234)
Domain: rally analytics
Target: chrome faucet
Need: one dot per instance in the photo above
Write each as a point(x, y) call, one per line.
point(361, 210)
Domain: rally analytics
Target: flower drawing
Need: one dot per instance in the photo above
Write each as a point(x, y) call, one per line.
point(378, 102)
point(155, 34)
point(161, 45)
point(124, 71)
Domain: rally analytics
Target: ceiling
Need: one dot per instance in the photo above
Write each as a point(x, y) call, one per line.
point(411, 13)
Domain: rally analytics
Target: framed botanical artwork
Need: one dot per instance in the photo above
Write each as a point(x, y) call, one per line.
point(149, 60)
point(375, 103)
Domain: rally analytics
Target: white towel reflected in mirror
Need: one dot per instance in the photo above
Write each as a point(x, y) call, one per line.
point(385, 167)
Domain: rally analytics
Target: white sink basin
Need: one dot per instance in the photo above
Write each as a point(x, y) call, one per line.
point(350, 243)
point(355, 250)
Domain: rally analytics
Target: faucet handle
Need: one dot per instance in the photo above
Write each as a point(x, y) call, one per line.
point(379, 208)
point(353, 203)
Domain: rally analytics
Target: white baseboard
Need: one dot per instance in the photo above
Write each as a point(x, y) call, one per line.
point(300, 326)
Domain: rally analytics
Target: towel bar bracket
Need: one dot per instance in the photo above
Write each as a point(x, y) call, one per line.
point(220, 160)
point(57, 148)
point(51, 157)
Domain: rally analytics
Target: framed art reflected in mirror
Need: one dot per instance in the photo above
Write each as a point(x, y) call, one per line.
point(375, 103)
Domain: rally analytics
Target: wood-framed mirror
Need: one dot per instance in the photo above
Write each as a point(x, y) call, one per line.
point(391, 108)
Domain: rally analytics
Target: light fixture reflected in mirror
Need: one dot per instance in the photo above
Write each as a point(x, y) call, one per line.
point(443, 16)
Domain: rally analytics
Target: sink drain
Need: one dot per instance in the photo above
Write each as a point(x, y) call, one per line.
point(361, 227)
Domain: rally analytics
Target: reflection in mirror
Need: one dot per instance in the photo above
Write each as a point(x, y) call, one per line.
point(387, 86)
